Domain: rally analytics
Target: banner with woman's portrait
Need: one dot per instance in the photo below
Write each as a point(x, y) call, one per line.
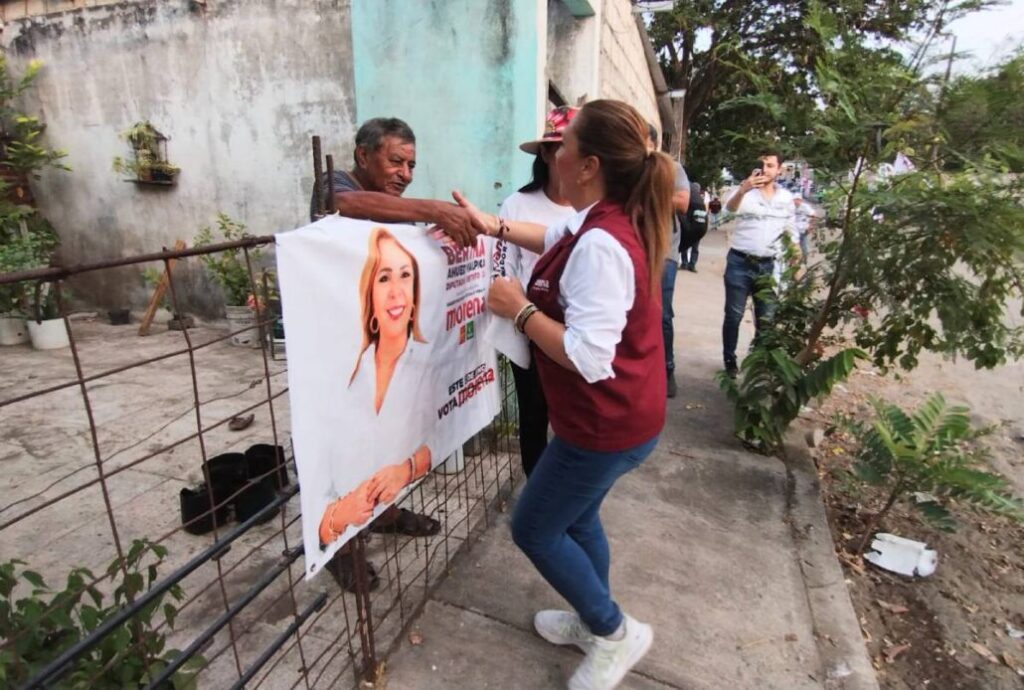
point(387, 373)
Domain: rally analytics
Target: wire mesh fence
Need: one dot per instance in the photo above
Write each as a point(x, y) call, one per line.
point(103, 446)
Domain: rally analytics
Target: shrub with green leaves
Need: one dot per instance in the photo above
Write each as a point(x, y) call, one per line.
point(772, 385)
point(934, 454)
point(926, 261)
point(38, 623)
point(227, 267)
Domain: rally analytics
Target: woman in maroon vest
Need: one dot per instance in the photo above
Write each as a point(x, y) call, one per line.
point(592, 312)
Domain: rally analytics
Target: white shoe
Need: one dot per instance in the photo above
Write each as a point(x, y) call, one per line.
point(608, 661)
point(563, 627)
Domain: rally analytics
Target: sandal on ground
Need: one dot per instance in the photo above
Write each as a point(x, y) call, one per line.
point(240, 423)
point(409, 524)
point(341, 567)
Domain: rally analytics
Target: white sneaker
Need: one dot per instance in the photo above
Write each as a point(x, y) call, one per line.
point(608, 661)
point(563, 627)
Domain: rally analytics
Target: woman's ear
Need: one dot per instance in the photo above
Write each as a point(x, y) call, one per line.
point(590, 169)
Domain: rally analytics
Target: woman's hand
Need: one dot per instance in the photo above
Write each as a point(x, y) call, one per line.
point(485, 223)
point(506, 297)
point(387, 482)
point(355, 508)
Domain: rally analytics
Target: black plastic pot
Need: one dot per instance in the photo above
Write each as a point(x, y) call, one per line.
point(226, 473)
point(180, 322)
point(254, 497)
point(197, 513)
point(119, 317)
point(262, 458)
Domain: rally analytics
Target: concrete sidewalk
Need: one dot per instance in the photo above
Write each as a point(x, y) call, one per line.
point(725, 553)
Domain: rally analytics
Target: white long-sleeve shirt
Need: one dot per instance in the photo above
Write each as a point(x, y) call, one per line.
point(596, 291)
point(761, 221)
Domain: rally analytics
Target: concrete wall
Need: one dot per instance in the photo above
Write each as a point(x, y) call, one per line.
point(238, 87)
point(622, 71)
point(573, 52)
point(468, 78)
point(600, 56)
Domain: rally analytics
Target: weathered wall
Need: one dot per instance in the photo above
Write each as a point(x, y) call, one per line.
point(468, 78)
point(623, 69)
point(238, 87)
point(573, 55)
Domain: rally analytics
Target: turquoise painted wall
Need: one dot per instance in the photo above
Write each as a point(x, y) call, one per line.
point(463, 74)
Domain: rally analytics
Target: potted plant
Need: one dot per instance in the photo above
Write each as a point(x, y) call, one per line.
point(26, 241)
point(228, 269)
point(13, 329)
point(46, 329)
point(148, 163)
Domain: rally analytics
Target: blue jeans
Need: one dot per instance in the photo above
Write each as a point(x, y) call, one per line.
point(741, 275)
point(557, 525)
point(668, 286)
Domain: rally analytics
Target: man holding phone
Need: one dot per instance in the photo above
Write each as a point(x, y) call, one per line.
point(764, 211)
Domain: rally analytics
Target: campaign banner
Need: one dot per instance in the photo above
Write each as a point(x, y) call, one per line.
point(501, 333)
point(387, 374)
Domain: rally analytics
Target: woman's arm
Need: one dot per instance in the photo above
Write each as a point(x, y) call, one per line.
point(506, 299)
point(526, 235)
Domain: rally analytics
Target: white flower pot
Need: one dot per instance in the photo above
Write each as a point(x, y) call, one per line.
point(13, 330)
point(239, 318)
point(48, 335)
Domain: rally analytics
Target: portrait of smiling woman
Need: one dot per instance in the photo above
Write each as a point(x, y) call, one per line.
point(389, 293)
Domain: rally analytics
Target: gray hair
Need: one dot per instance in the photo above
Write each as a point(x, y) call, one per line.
point(372, 132)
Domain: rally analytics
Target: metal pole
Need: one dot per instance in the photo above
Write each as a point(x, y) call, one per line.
point(330, 184)
point(318, 179)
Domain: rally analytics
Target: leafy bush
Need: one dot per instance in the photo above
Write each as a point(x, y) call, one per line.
point(228, 266)
point(773, 388)
point(931, 452)
point(772, 385)
point(39, 627)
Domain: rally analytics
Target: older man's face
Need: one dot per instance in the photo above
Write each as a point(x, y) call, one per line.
point(389, 168)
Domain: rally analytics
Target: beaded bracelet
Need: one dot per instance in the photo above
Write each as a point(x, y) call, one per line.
point(524, 315)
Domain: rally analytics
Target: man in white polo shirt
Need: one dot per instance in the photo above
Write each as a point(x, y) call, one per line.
point(763, 211)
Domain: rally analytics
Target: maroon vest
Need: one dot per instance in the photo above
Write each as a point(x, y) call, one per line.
point(629, 409)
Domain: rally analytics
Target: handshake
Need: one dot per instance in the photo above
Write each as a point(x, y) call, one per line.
point(356, 507)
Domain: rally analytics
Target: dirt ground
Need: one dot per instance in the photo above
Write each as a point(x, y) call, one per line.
point(960, 627)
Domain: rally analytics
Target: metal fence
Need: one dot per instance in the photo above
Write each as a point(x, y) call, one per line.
point(242, 617)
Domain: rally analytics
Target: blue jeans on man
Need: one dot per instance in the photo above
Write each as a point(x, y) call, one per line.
point(557, 525)
point(668, 286)
point(741, 282)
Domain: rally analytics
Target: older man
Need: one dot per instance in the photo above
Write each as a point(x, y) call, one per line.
point(385, 158)
point(764, 212)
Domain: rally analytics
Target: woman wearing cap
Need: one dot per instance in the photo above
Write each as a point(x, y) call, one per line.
point(541, 202)
point(592, 312)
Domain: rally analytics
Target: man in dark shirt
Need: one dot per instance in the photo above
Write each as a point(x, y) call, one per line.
point(385, 158)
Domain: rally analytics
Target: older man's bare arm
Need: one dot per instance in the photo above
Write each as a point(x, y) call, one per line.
point(386, 208)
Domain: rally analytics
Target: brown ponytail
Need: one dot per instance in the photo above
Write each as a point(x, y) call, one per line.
point(642, 182)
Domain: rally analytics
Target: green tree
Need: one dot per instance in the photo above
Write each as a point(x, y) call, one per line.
point(720, 49)
point(984, 116)
point(930, 260)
